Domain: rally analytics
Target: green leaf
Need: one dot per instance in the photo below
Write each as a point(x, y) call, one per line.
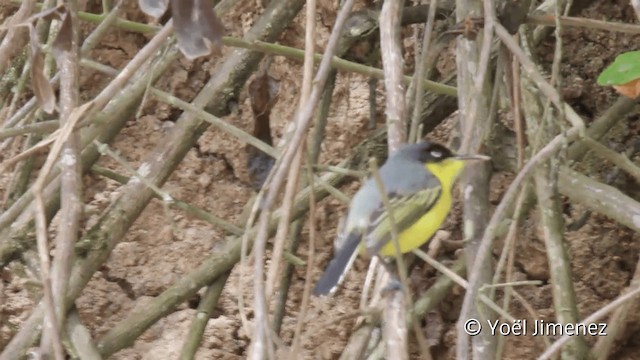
point(625, 68)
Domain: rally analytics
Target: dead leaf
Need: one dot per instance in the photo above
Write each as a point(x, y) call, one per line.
point(198, 29)
point(155, 8)
point(41, 85)
point(630, 89)
point(62, 42)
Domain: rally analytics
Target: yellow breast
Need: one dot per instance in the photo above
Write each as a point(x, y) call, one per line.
point(422, 230)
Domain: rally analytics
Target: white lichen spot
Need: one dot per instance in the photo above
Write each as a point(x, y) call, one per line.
point(636, 220)
point(145, 169)
point(471, 66)
point(467, 191)
point(68, 158)
point(167, 198)
point(468, 229)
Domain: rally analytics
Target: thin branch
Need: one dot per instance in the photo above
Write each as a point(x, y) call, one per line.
point(591, 319)
point(531, 70)
point(550, 20)
point(203, 314)
point(279, 172)
point(484, 247)
point(16, 36)
point(475, 98)
point(425, 53)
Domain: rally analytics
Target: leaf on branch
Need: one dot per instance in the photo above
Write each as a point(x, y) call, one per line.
point(623, 74)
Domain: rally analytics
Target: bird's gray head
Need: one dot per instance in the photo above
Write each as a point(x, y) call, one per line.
point(426, 152)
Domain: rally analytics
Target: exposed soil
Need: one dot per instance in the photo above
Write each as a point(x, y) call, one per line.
point(163, 246)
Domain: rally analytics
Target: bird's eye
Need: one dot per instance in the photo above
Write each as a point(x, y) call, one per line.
point(436, 154)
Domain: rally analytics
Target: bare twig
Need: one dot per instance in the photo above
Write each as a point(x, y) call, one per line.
point(619, 160)
point(599, 314)
point(67, 44)
point(550, 20)
point(203, 313)
point(297, 339)
point(476, 117)
point(392, 64)
point(600, 197)
point(80, 338)
point(420, 72)
point(294, 173)
point(484, 248)
point(279, 172)
point(292, 183)
point(530, 68)
point(16, 37)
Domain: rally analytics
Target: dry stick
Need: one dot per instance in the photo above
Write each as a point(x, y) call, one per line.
point(337, 63)
point(315, 142)
point(203, 314)
point(125, 332)
point(302, 121)
point(16, 36)
point(543, 127)
point(80, 338)
point(50, 318)
point(107, 125)
point(395, 303)
point(600, 197)
point(599, 314)
point(530, 68)
point(161, 194)
point(304, 305)
point(71, 170)
point(90, 42)
point(97, 104)
point(74, 115)
point(22, 175)
point(292, 183)
point(506, 257)
point(460, 281)
point(484, 248)
point(476, 116)
point(392, 64)
point(215, 121)
point(415, 131)
point(517, 109)
point(564, 296)
point(425, 51)
point(617, 323)
point(619, 160)
point(294, 173)
point(551, 20)
point(40, 128)
point(489, 9)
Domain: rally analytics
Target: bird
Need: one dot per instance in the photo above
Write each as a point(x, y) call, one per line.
point(418, 180)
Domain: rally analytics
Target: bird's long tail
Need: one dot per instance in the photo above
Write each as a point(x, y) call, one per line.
point(339, 266)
